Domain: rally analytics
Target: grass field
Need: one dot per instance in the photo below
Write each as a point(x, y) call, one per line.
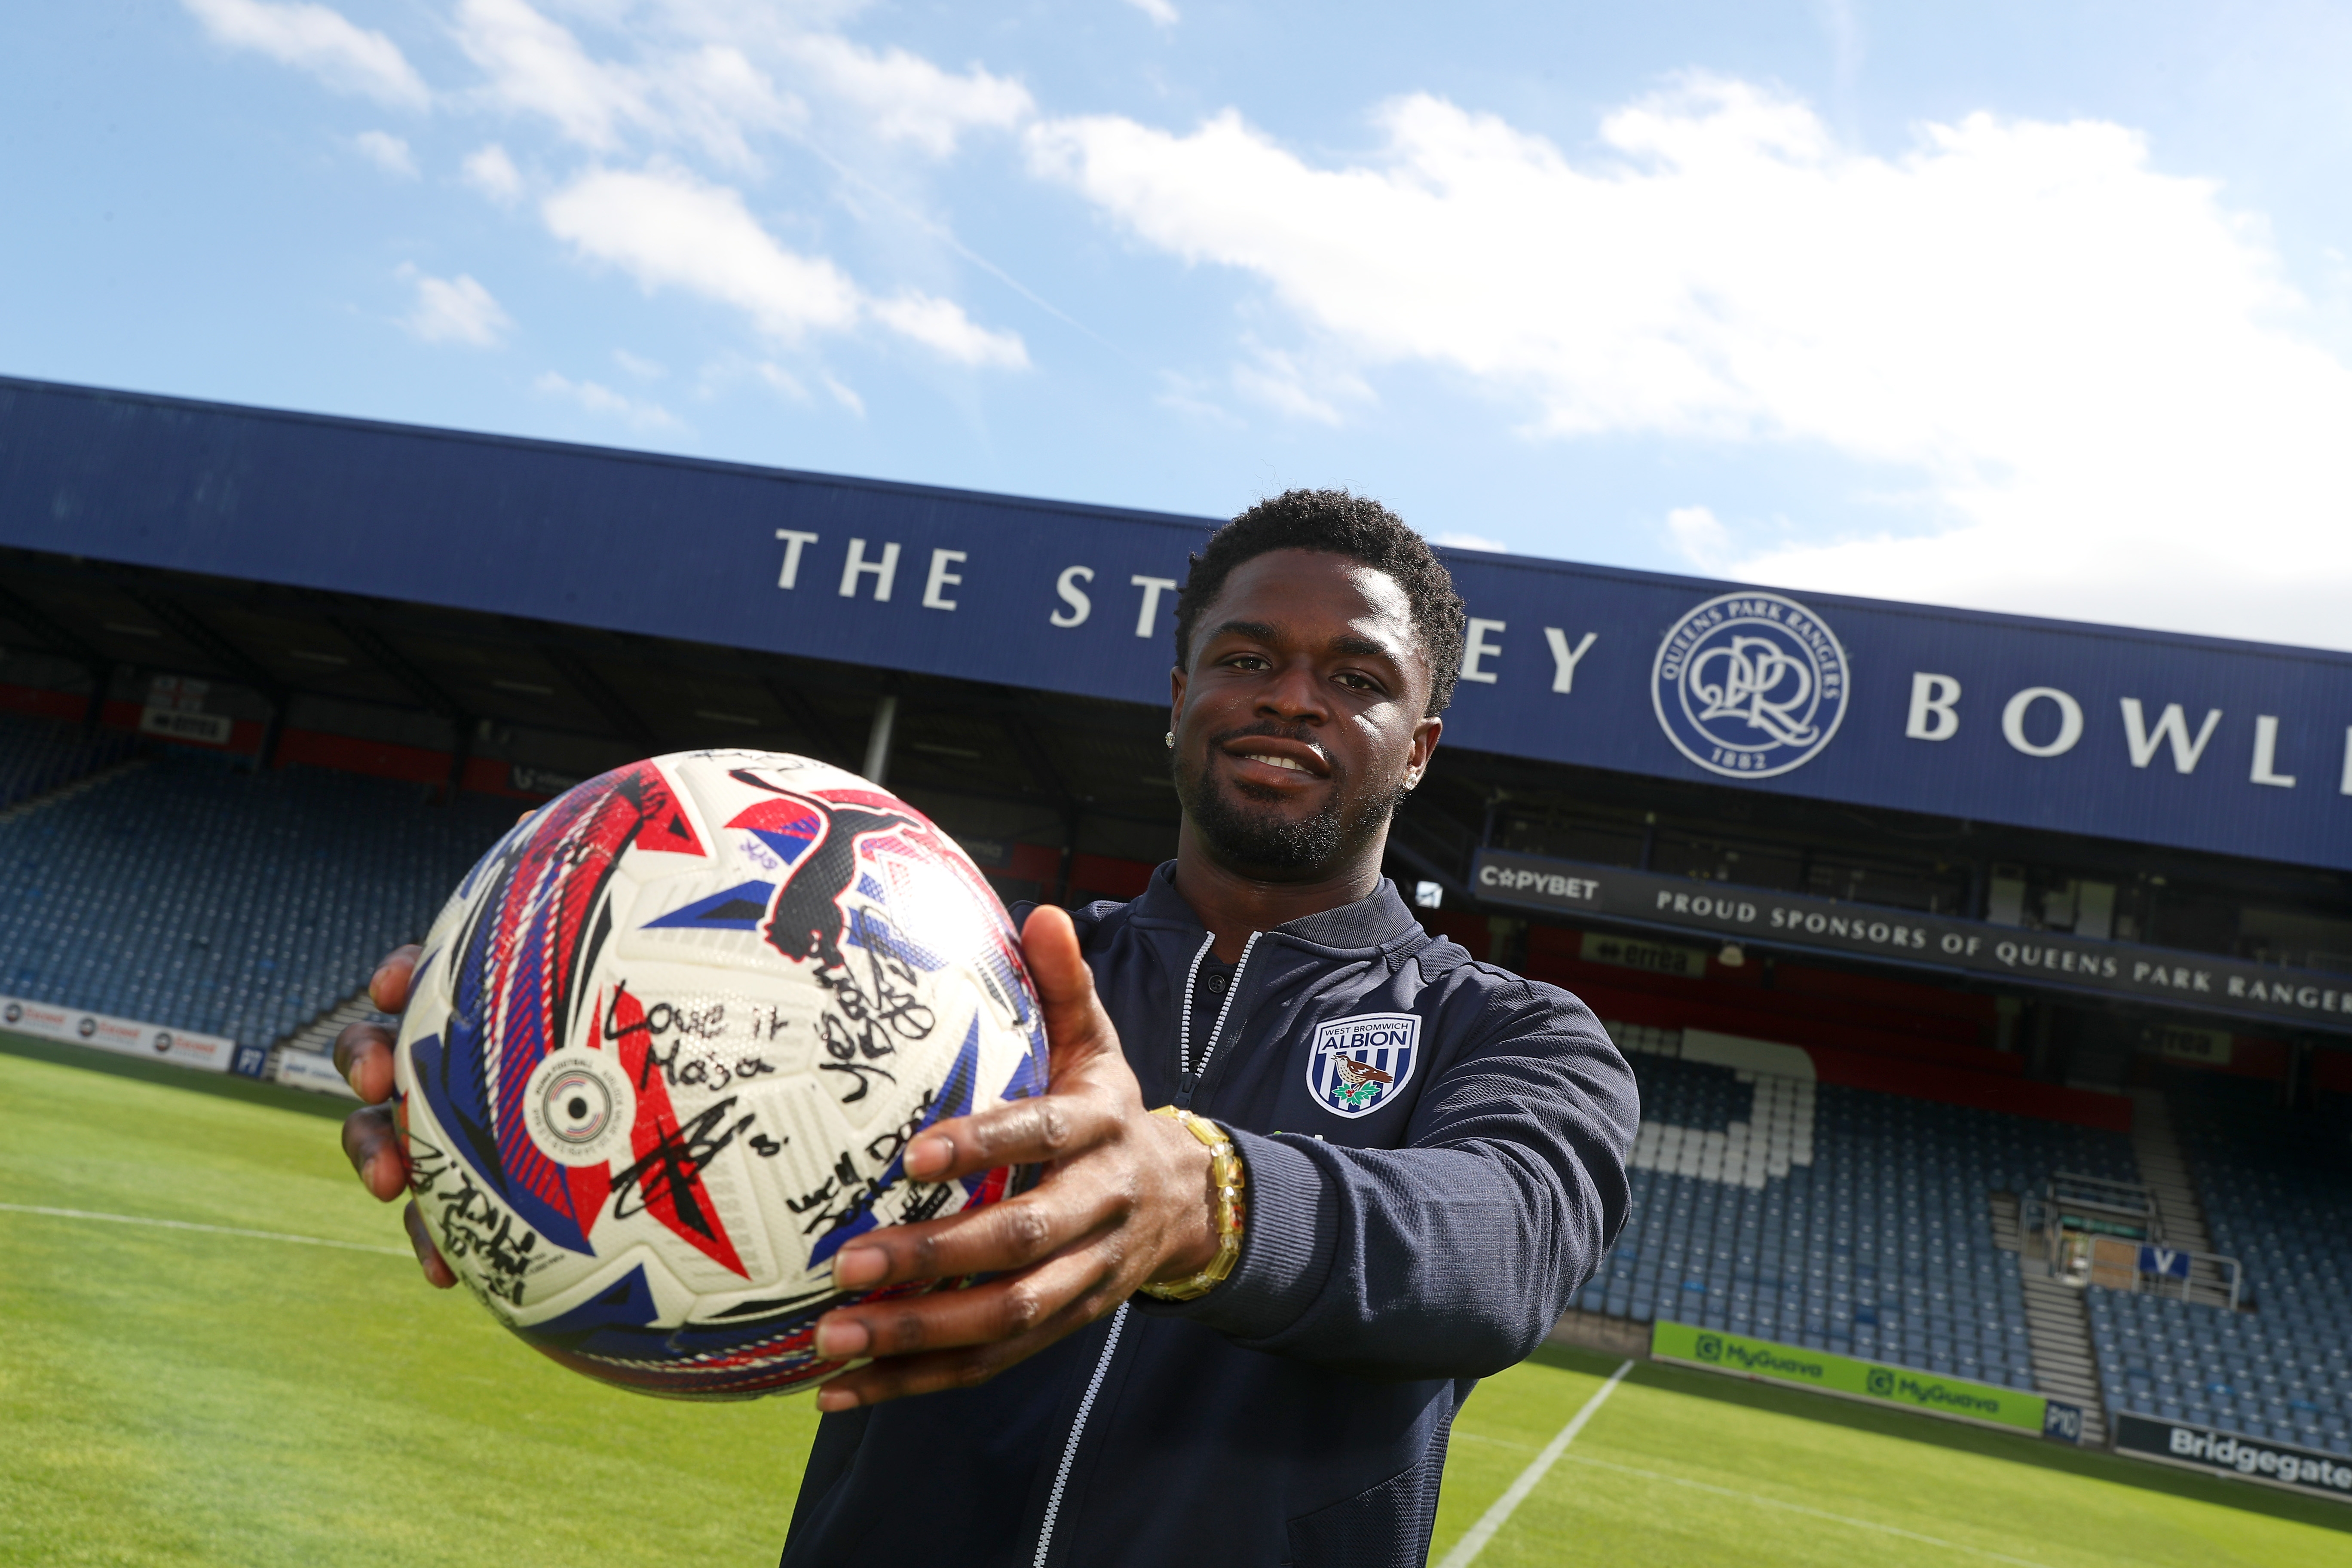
point(183, 1396)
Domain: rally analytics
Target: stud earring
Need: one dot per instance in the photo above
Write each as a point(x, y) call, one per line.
point(1171, 739)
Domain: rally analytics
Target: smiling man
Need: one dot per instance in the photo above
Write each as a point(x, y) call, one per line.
point(1235, 1331)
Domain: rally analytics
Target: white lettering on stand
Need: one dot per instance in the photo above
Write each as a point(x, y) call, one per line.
point(941, 577)
point(2069, 722)
point(1934, 713)
point(885, 570)
point(1152, 588)
point(1475, 647)
point(794, 542)
point(2267, 754)
point(1564, 658)
point(2173, 726)
point(1080, 606)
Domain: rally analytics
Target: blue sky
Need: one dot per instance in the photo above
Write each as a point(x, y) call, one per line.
point(2034, 306)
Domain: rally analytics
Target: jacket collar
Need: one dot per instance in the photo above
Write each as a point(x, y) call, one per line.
point(1378, 920)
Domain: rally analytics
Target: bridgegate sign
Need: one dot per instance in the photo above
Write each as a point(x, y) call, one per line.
point(2135, 735)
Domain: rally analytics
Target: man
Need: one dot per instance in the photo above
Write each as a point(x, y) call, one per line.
point(1431, 1150)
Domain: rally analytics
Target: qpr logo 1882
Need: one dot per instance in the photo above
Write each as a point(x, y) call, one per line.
point(1749, 685)
point(1357, 1065)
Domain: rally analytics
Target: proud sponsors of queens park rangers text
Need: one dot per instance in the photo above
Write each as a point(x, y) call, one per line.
point(1528, 881)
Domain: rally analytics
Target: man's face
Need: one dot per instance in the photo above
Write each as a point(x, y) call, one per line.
point(1299, 724)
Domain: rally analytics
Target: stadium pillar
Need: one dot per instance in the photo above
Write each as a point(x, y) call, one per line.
point(878, 740)
point(271, 733)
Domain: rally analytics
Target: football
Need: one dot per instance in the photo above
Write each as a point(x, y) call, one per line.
point(667, 1042)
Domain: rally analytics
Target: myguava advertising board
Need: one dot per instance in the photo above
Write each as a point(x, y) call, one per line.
point(1904, 1388)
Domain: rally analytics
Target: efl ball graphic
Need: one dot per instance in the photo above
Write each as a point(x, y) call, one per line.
point(665, 1046)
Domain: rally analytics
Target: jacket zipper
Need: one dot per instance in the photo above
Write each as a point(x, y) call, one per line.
point(1188, 1077)
point(1077, 1429)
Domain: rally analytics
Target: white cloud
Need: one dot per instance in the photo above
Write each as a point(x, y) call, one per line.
point(602, 400)
point(456, 311)
point(670, 230)
point(1469, 542)
point(1699, 537)
point(845, 397)
point(387, 153)
point(320, 41)
point(906, 98)
point(536, 65)
point(1281, 382)
point(2089, 366)
point(1160, 11)
point(709, 93)
point(490, 171)
point(637, 366)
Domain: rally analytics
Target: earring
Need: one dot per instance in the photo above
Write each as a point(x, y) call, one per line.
point(1171, 739)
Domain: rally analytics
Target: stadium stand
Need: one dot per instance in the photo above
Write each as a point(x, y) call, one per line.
point(2276, 1190)
point(1838, 1218)
point(201, 895)
point(39, 755)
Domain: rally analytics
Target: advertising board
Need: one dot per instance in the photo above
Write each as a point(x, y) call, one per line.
point(2218, 1453)
point(1728, 912)
point(1904, 1387)
point(126, 1037)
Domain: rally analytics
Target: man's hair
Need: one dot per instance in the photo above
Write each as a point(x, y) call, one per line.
point(1337, 523)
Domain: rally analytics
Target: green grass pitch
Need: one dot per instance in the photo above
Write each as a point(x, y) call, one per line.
point(184, 1396)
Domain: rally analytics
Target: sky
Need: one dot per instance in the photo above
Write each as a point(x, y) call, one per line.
point(2040, 307)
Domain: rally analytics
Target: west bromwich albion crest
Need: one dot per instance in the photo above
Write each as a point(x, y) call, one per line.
point(1359, 1064)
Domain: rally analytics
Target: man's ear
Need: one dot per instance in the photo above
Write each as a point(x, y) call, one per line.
point(1424, 743)
point(1175, 697)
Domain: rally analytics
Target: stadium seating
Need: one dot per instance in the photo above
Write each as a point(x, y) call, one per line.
point(2241, 1371)
point(37, 755)
point(2276, 1189)
point(1836, 1218)
point(200, 896)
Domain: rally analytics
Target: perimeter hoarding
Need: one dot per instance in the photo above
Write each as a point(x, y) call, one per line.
point(125, 1037)
point(2236, 748)
point(2219, 1453)
point(1729, 911)
point(1902, 1387)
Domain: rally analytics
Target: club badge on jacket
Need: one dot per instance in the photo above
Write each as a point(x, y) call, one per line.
point(1357, 1065)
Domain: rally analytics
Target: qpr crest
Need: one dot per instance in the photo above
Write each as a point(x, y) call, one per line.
point(1750, 685)
point(1357, 1065)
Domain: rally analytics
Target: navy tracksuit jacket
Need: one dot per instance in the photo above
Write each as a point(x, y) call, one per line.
point(1297, 1414)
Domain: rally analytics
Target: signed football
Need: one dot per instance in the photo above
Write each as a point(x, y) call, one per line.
point(666, 1044)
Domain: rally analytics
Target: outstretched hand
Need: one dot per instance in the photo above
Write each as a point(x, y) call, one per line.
point(363, 1056)
point(1125, 1200)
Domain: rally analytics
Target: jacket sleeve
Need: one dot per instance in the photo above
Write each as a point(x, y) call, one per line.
point(1454, 1256)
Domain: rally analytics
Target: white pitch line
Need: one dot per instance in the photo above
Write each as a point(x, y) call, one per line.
point(191, 1225)
point(1465, 1551)
point(1800, 1508)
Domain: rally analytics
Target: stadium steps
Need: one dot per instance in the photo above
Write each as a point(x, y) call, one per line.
point(317, 1037)
point(2059, 1331)
point(2005, 1234)
point(2164, 1166)
point(2166, 1171)
point(69, 790)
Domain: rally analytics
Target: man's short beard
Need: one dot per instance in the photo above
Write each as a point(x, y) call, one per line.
point(1261, 841)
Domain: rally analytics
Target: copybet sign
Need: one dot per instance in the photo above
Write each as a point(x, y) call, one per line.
point(46, 1021)
point(1911, 1390)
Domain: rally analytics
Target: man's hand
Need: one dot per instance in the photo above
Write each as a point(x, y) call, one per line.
point(363, 1056)
point(1125, 1200)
